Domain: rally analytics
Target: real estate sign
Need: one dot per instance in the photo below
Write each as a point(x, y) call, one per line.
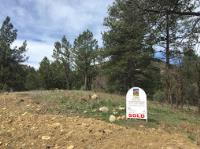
point(136, 104)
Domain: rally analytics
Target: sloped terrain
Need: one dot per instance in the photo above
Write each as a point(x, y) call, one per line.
point(24, 123)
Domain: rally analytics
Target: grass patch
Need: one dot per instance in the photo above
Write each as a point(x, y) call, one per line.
point(80, 103)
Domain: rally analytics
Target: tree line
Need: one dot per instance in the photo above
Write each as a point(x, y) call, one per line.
point(150, 44)
point(73, 67)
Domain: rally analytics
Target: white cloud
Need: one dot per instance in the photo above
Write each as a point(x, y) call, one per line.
point(36, 51)
point(48, 20)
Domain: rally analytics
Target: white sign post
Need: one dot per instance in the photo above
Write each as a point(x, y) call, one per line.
point(136, 104)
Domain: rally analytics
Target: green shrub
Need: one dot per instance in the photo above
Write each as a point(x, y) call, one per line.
point(159, 95)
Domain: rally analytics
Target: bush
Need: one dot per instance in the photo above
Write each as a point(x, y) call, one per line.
point(159, 95)
point(4, 87)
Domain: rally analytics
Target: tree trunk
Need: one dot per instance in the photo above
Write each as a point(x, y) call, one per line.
point(167, 58)
point(85, 82)
point(67, 76)
point(198, 84)
point(199, 98)
point(167, 42)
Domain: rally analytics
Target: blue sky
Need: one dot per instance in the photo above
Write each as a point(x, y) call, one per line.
point(42, 22)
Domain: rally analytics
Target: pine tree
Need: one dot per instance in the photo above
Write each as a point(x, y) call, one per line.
point(128, 51)
point(10, 58)
point(46, 73)
point(84, 53)
point(62, 54)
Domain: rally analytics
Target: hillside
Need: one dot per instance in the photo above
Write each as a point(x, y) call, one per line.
point(71, 119)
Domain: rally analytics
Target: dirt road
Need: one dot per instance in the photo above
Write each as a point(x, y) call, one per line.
point(21, 126)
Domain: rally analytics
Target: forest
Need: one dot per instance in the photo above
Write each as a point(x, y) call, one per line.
point(149, 44)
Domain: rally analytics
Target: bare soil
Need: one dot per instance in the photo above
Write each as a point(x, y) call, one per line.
point(23, 126)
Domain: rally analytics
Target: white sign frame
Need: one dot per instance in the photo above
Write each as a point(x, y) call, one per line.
point(136, 104)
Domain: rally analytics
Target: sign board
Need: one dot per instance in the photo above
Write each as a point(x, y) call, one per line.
point(136, 104)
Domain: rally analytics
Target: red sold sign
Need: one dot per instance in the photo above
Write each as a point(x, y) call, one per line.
point(136, 115)
point(136, 104)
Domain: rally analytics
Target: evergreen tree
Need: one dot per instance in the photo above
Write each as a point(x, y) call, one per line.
point(33, 80)
point(173, 24)
point(84, 54)
point(62, 54)
point(10, 58)
point(128, 51)
point(46, 73)
point(58, 75)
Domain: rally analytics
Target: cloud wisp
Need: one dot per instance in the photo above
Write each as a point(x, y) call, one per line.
point(42, 22)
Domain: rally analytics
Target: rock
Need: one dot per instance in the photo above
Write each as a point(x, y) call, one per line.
point(24, 113)
point(55, 125)
point(123, 117)
point(46, 137)
point(94, 96)
point(121, 108)
point(104, 109)
point(119, 118)
point(1, 143)
point(115, 112)
point(141, 126)
point(108, 131)
point(112, 118)
point(69, 134)
point(85, 125)
point(56, 146)
point(94, 110)
point(70, 147)
point(38, 109)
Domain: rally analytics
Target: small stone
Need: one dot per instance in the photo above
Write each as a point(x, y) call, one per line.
point(85, 125)
point(24, 113)
point(56, 147)
point(94, 110)
point(104, 109)
point(112, 118)
point(33, 128)
point(115, 112)
point(55, 125)
point(150, 144)
point(94, 96)
point(119, 118)
point(70, 147)
point(108, 131)
point(3, 108)
point(46, 137)
point(141, 126)
point(123, 117)
point(38, 109)
point(121, 108)
point(1, 143)
point(69, 133)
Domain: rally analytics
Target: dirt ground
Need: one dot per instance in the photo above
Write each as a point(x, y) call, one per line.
point(22, 126)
